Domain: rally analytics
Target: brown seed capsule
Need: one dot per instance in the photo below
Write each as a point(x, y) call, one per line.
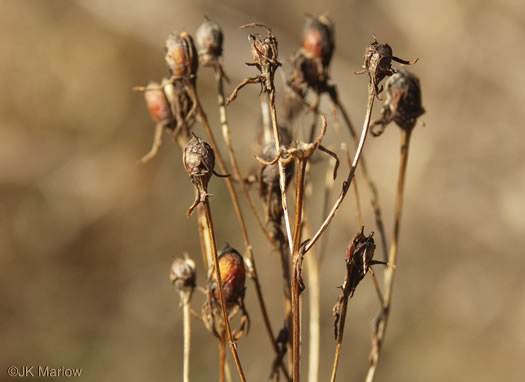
point(359, 258)
point(378, 63)
point(209, 39)
point(182, 274)
point(318, 39)
point(233, 276)
point(181, 55)
point(157, 103)
point(199, 161)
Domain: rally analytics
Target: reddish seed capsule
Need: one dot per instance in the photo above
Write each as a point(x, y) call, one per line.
point(233, 276)
point(181, 55)
point(318, 39)
point(157, 103)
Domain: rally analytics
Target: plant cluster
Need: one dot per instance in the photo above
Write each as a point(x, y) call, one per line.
point(284, 160)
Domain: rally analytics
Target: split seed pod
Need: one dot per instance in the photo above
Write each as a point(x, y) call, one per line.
point(181, 55)
point(209, 39)
point(359, 258)
point(233, 276)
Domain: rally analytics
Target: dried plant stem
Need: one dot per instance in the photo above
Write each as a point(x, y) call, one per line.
point(314, 289)
point(368, 179)
point(186, 317)
point(282, 175)
point(233, 345)
point(219, 74)
point(392, 258)
point(296, 258)
point(346, 184)
point(222, 356)
point(341, 330)
point(356, 189)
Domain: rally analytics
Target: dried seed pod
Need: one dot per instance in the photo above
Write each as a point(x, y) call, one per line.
point(318, 39)
point(199, 161)
point(209, 39)
point(181, 55)
point(157, 103)
point(233, 276)
point(359, 257)
point(182, 274)
point(378, 63)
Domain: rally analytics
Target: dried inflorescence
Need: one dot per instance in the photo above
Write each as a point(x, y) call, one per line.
point(233, 277)
point(209, 38)
point(378, 64)
point(265, 54)
point(181, 55)
point(183, 276)
point(402, 104)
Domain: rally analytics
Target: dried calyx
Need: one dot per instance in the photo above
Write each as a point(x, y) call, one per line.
point(359, 257)
point(402, 104)
point(209, 39)
point(378, 64)
point(181, 55)
point(183, 276)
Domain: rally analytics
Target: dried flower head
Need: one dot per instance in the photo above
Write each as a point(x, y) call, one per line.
point(181, 55)
point(233, 276)
point(359, 257)
point(209, 39)
point(182, 274)
point(378, 63)
point(157, 103)
point(402, 104)
point(199, 160)
point(318, 39)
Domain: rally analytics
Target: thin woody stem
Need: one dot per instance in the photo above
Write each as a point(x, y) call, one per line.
point(341, 330)
point(368, 179)
point(222, 356)
point(186, 315)
point(392, 257)
point(233, 160)
point(296, 306)
point(233, 345)
point(282, 175)
point(346, 184)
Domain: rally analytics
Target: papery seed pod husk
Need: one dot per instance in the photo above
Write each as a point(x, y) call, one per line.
point(318, 39)
point(209, 38)
point(403, 100)
point(182, 274)
point(199, 160)
point(181, 55)
point(233, 276)
point(378, 62)
point(157, 103)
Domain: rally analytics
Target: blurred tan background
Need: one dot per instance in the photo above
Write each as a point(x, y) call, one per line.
point(87, 237)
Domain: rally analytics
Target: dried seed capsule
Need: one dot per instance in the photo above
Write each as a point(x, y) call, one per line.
point(404, 98)
point(181, 55)
point(378, 63)
point(233, 276)
point(318, 38)
point(182, 274)
point(359, 258)
point(157, 103)
point(209, 39)
point(199, 160)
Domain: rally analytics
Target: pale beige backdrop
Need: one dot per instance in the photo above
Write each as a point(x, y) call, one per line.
point(87, 237)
